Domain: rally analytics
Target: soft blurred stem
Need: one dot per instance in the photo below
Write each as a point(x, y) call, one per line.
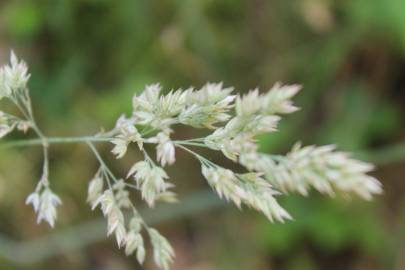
point(386, 155)
point(191, 143)
point(101, 161)
point(202, 159)
point(54, 140)
point(76, 237)
point(382, 156)
point(23, 102)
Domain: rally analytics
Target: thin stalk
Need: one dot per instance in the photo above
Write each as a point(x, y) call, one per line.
point(385, 155)
point(26, 110)
point(198, 156)
point(148, 158)
point(201, 139)
point(110, 174)
point(147, 131)
point(103, 166)
point(132, 186)
point(14, 98)
point(101, 161)
point(107, 172)
point(54, 140)
point(190, 143)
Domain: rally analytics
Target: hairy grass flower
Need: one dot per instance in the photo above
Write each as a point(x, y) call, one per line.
point(163, 252)
point(134, 241)
point(95, 188)
point(6, 124)
point(127, 133)
point(250, 189)
point(150, 108)
point(165, 152)
point(115, 218)
point(207, 106)
point(122, 194)
point(322, 168)
point(13, 77)
point(150, 179)
point(44, 204)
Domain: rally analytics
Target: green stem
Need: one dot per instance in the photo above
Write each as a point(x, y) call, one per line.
point(148, 158)
point(190, 143)
point(54, 140)
point(104, 168)
point(26, 110)
point(109, 173)
point(202, 159)
point(386, 155)
point(102, 163)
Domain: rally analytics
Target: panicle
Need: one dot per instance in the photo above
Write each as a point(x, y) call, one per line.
point(235, 120)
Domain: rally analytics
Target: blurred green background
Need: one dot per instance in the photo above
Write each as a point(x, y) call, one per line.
point(88, 58)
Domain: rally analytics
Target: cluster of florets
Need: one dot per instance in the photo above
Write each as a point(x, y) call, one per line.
point(235, 122)
point(13, 87)
point(13, 77)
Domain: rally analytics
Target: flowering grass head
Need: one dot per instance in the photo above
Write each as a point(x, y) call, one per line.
point(234, 123)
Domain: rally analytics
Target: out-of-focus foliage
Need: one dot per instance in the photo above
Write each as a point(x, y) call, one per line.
point(89, 57)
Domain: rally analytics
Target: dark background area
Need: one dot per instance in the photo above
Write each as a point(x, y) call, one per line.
point(87, 59)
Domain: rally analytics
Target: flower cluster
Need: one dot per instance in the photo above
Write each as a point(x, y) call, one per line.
point(44, 203)
point(7, 124)
point(113, 201)
point(150, 179)
point(207, 106)
point(234, 122)
point(127, 134)
point(13, 87)
point(163, 252)
point(249, 188)
point(255, 114)
point(322, 168)
point(13, 77)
